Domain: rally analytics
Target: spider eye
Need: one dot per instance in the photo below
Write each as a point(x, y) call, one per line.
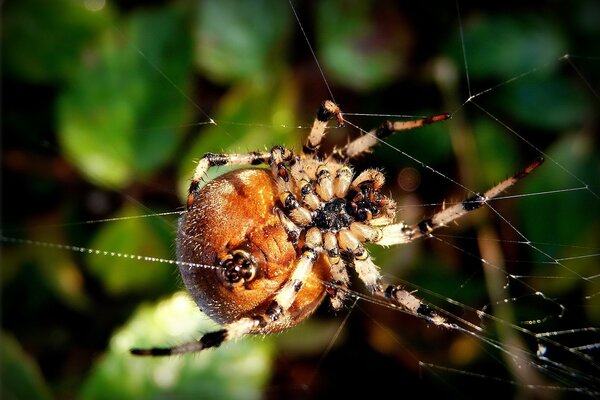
point(238, 268)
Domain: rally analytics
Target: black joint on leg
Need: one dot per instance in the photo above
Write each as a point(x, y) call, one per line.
point(390, 291)
point(274, 311)
point(192, 192)
point(474, 202)
point(286, 155)
point(293, 237)
point(215, 160)
point(324, 114)
point(333, 252)
point(308, 149)
point(339, 155)
point(194, 187)
point(155, 351)
point(310, 253)
point(290, 203)
point(323, 174)
point(426, 226)
point(257, 158)
point(306, 190)
point(360, 253)
point(425, 311)
point(213, 339)
point(384, 130)
point(297, 285)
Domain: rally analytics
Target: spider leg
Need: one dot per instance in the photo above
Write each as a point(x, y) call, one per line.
point(363, 143)
point(213, 160)
point(259, 323)
point(369, 273)
point(402, 233)
point(276, 158)
point(208, 340)
point(339, 273)
point(411, 303)
point(327, 111)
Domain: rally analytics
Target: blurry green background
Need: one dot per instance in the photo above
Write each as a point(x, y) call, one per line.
point(106, 106)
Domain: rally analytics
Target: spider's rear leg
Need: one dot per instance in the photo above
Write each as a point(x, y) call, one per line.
point(402, 233)
point(275, 313)
point(364, 143)
point(411, 303)
point(213, 160)
point(369, 274)
point(276, 157)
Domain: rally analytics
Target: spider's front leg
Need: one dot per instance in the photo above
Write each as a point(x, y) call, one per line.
point(364, 143)
point(401, 233)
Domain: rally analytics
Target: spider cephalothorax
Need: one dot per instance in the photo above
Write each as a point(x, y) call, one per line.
point(260, 249)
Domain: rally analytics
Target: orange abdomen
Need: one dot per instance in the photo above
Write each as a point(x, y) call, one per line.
point(235, 211)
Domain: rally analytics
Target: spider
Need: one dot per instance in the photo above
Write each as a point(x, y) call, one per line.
point(259, 250)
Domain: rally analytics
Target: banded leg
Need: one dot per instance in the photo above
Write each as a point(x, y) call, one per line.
point(208, 340)
point(339, 272)
point(286, 296)
point(327, 111)
point(363, 143)
point(369, 273)
point(277, 156)
point(411, 303)
point(402, 233)
point(213, 160)
point(284, 299)
point(299, 214)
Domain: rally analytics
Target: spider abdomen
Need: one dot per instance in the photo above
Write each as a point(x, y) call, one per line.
point(232, 215)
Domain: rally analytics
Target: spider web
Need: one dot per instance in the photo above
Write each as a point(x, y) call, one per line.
point(519, 288)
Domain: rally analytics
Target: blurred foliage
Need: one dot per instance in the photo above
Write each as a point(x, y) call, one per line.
point(119, 108)
point(361, 46)
point(237, 371)
point(123, 274)
point(240, 40)
point(106, 107)
point(21, 377)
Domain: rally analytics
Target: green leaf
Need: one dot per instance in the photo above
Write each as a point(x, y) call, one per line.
point(497, 152)
point(237, 40)
point(121, 119)
point(357, 50)
point(43, 41)
point(553, 104)
point(573, 215)
point(502, 47)
point(253, 116)
point(21, 377)
point(150, 237)
point(236, 370)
